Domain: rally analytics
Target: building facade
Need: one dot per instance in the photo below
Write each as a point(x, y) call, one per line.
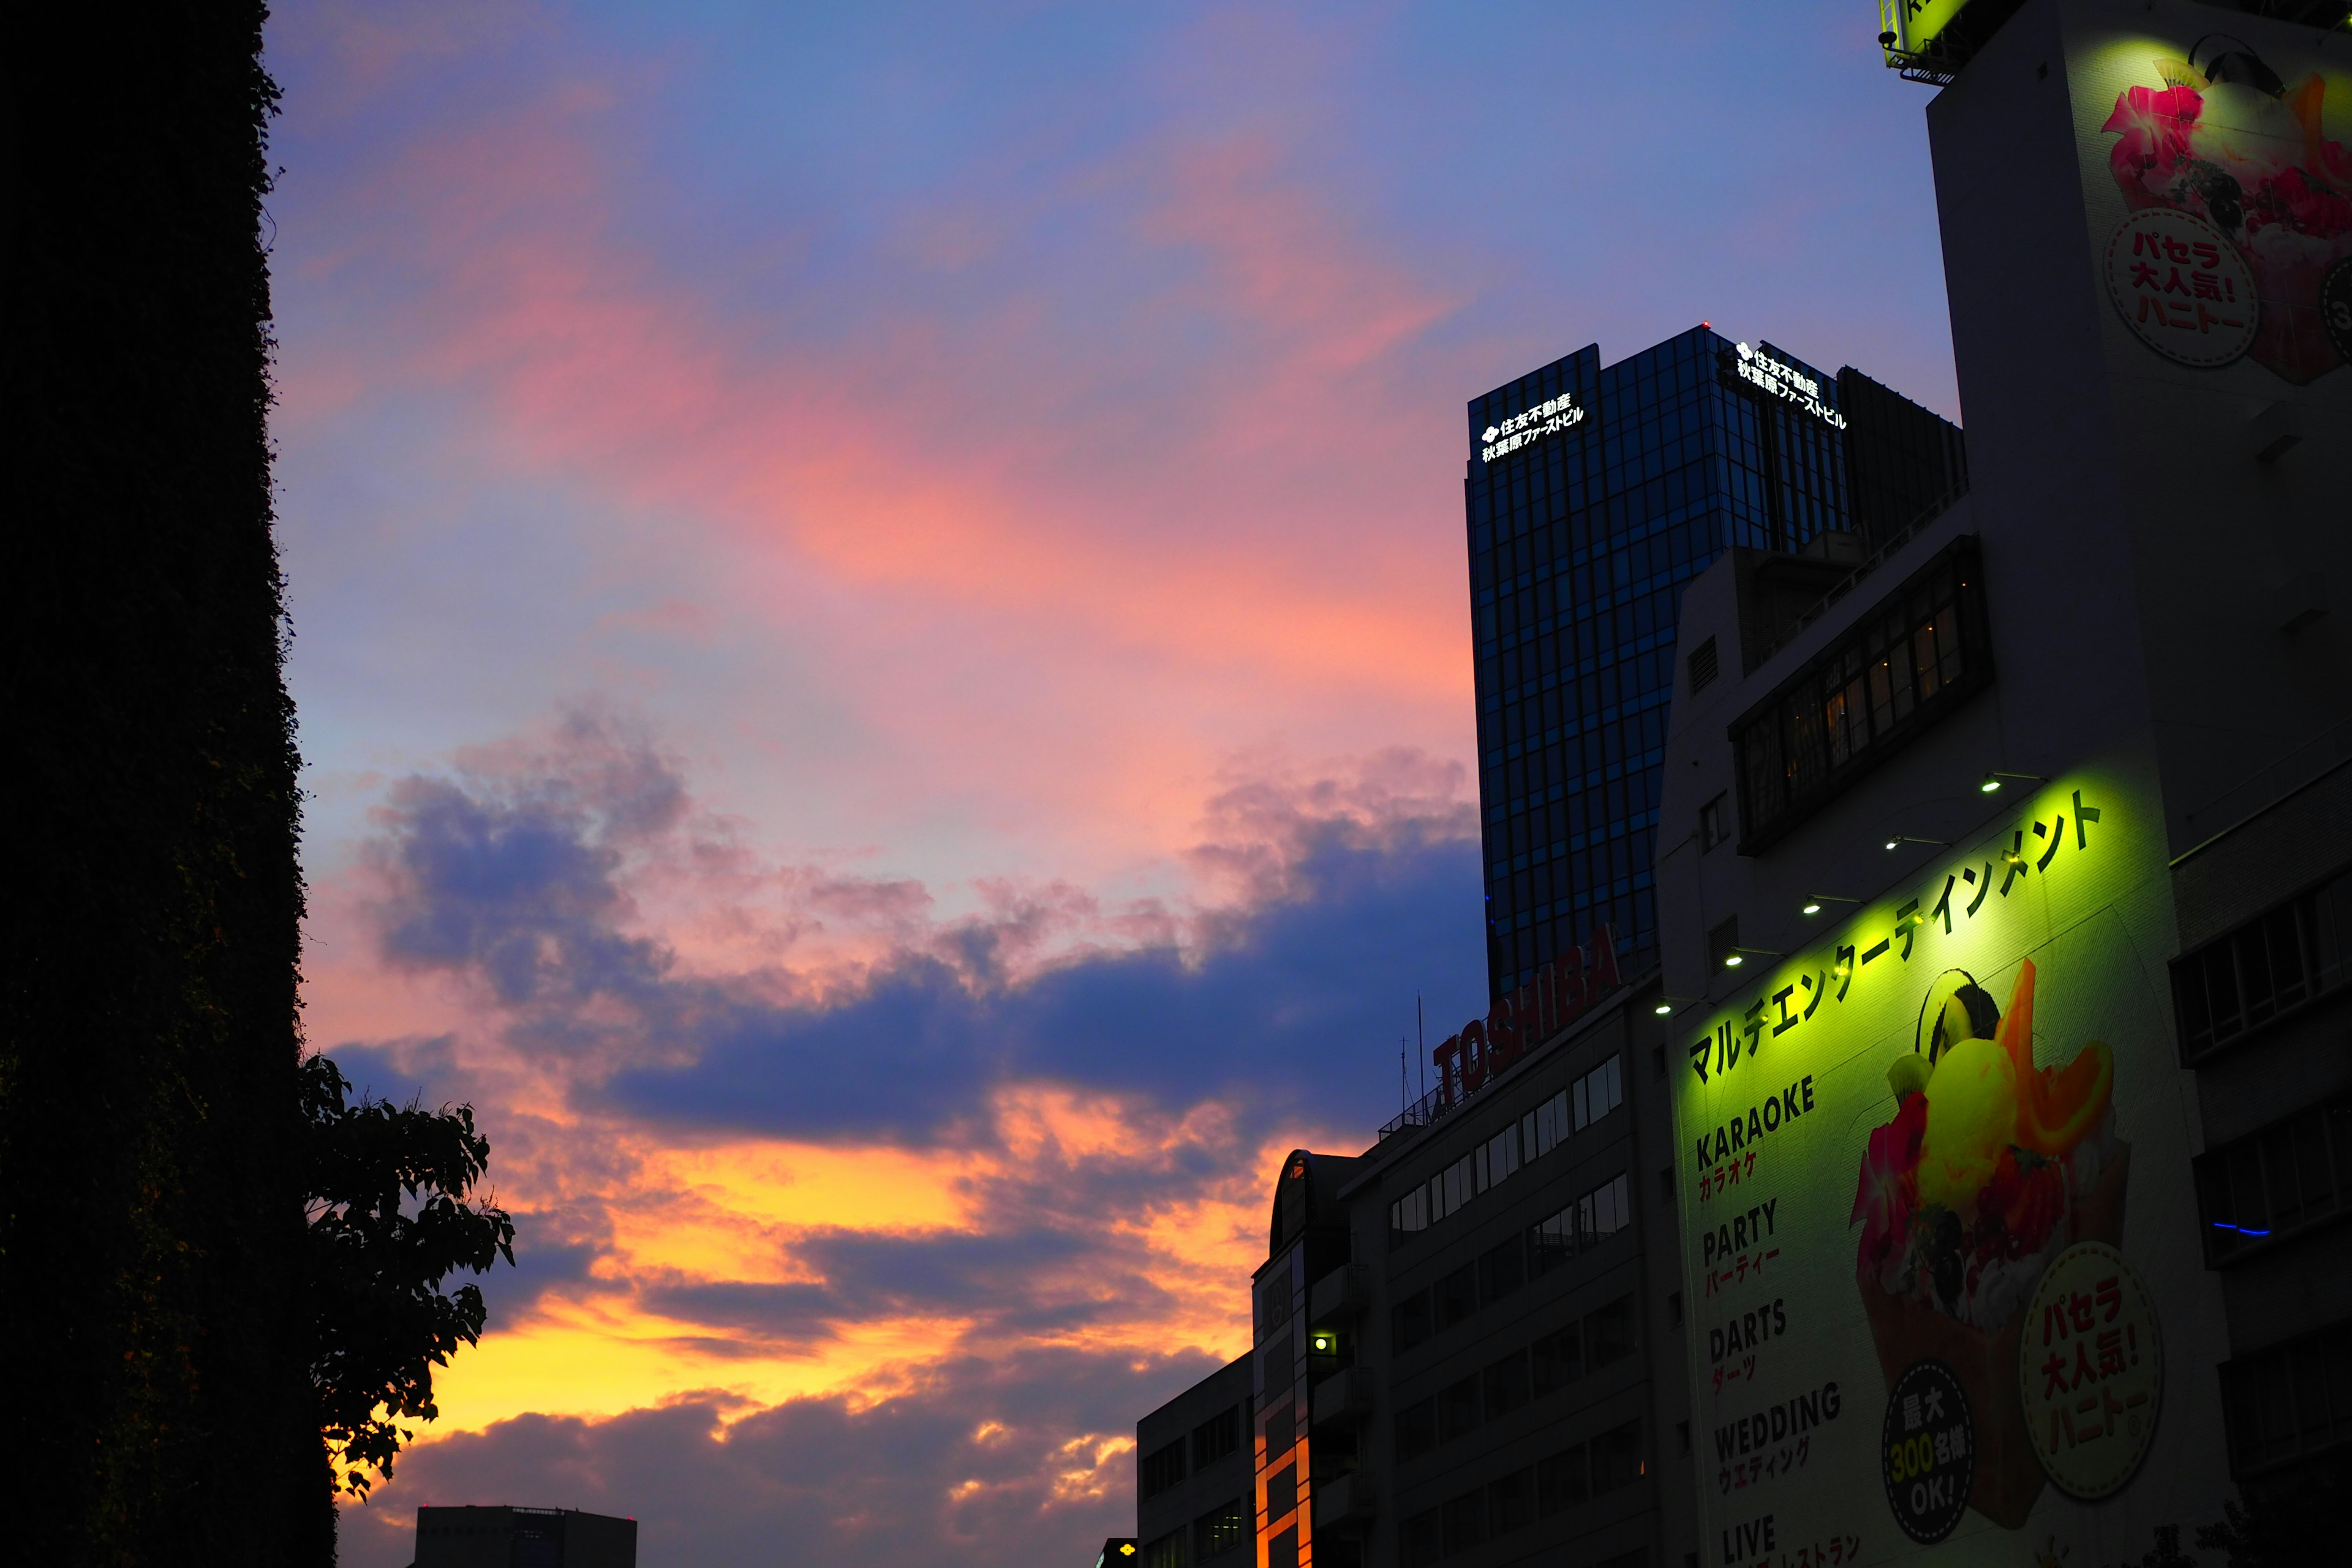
point(1594, 494)
point(2016, 991)
point(1466, 1339)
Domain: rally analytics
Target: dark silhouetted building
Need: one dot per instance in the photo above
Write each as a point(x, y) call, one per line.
point(523, 1538)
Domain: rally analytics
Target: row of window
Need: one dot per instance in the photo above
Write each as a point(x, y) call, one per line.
point(1893, 672)
point(2272, 1184)
point(1511, 1502)
point(1218, 1437)
point(1500, 1270)
point(1553, 1361)
point(2290, 1403)
point(1632, 913)
point(1563, 708)
point(1225, 1528)
point(1533, 1136)
point(2264, 969)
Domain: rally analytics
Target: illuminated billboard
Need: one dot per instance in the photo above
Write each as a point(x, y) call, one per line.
point(1940, 1249)
point(2218, 186)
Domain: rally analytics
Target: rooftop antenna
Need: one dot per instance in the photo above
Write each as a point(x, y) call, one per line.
point(1421, 1045)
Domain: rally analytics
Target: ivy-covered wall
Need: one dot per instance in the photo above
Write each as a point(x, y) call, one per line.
point(150, 1212)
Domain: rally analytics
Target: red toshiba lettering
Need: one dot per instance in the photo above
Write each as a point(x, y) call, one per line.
point(1474, 1054)
point(1446, 1059)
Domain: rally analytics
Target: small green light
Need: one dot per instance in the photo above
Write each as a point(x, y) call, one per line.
point(1990, 785)
point(1663, 1009)
point(1812, 906)
point(1324, 1344)
point(1892, 842)
point(1734, 962)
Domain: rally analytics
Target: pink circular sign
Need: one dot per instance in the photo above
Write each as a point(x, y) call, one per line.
point(2182, 288)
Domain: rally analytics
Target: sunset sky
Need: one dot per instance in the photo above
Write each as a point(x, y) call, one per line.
point(882, 646)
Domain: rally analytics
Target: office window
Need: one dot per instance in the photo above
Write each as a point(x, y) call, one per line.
point(2290, 1403)
point(2276, 1181)
point(1617, 1457)
point(1282, 1551)
point(1714, 821)
point(1510, 1503)
point(1416, 1428)
point(1217, 1437)
point(1552, 1242)
point(1563, 1481)
point(1409, 1322)
point(1502, 1154)
point(1599, 1092)
point(2264, 969)
point(1556, 1359)
point(1225, 1527)
point(1166, 1551)
point(1895, 671)
point(1505, 1384)
point(1464, 1521)
point(1604, 1212)
point(1457, 1408)
point(1458, 1296)
point(1702, 665)
point(1502, 1270)
point(1161, 1468)
point(1551, 1121)
point(1608, 1333)
point(1420, 1544)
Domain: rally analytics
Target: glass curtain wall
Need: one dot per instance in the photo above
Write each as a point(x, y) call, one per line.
point(1583, 532)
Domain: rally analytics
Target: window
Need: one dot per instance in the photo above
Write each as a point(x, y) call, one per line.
point(1702, 665)
point(1457, 1408)
point(1409, 1322)
point(1419, 1541)
point(1505, 1384)
point(1510, 1503)
point(1502, 1271)
point(2272, 1184)
point(1562, 1480)
point(1608, 1333)
point(1464, 1521)
point(1604, 1212)
point(1892, 673)
point(1599, 1092)
point(1221, 1530)
point(1617, 1457)
point(1714, 821)
point(1218, 1436)
point(2263, 970)
point(1282, 1491)
point(1416, 1428)
point(2289, 1404)
point(1557, 1360)
point(1549, 1123)
point(1168, 1552)
point(1458, 1296)
point(1162, 1469)
point(1591, 1219)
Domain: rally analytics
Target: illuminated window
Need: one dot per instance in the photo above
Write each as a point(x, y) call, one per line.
point(1166, 1551)
point(1895, 671)
point(1223, 1529)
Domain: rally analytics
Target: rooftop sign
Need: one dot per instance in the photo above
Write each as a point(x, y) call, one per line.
point(1545, 419)
point(1775, 378)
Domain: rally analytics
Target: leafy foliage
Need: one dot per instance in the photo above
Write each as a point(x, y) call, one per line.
point(2286, 1526)
point(392, 1217)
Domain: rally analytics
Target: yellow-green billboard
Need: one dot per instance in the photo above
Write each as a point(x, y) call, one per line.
point(1941, 1249)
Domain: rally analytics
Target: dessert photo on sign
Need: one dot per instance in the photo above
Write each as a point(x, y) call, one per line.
point(1991, 1211)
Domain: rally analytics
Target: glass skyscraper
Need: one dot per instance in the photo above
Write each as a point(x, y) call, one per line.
point(1594, 494)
